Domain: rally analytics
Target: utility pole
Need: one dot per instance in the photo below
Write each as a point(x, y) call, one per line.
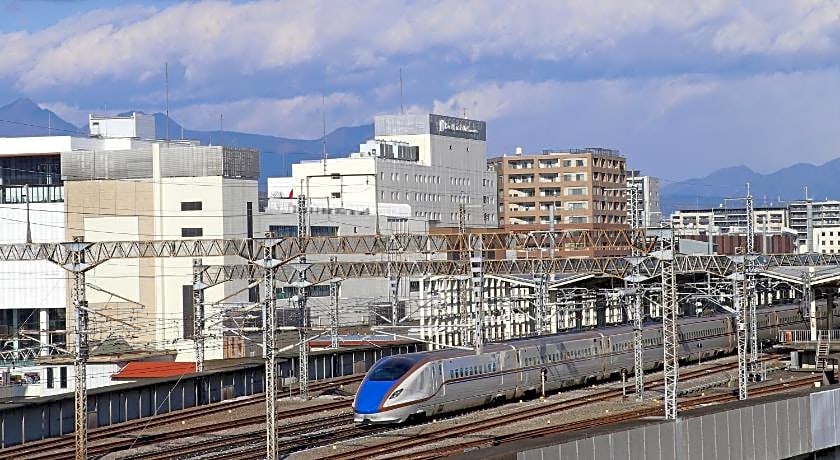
point(78, 267)
point(198, 314)
point(477, 271)
point(269, 267)
point(166, 83)
point(669, 321)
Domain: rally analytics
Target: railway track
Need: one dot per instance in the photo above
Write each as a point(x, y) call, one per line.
point(400, 446)
point(131, 434)
point(600, 421)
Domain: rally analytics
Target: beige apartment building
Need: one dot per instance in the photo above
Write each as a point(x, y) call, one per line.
point(583, 186)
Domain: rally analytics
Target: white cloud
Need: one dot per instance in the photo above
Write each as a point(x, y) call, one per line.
point(677, 127)
point(292, 117)
point(131, 43)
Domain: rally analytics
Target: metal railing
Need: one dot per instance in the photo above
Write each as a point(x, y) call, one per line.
point(832, 335)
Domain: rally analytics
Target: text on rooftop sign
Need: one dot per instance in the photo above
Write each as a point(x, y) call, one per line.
point(457, 127)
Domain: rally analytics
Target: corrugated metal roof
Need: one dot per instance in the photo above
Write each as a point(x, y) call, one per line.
point(154, 370)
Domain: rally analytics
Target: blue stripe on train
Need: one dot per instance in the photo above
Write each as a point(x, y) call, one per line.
point(370, 395)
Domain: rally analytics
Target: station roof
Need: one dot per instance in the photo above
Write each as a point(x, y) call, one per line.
point(822, 274)
point(154, 369)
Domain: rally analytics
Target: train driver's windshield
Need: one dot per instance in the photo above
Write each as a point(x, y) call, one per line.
point(390, 369)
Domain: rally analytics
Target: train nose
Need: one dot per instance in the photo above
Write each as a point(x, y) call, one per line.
point(371, 396)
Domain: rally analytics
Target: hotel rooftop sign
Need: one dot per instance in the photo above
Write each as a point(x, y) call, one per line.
point(439, 125)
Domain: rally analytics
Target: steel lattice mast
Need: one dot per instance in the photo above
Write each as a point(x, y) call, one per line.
point(741, 331)
point(669, 322)
point(477, 271)
point(301, 267)
point(638, 317)
point(749, 281)
point(77, 266)
point(198, 314)
point(269, 303)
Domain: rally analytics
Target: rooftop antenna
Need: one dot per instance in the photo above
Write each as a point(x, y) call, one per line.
point(402, 107)
point(324, 126)
point(166, 83)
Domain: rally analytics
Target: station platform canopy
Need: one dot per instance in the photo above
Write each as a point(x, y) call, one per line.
point(822, 274)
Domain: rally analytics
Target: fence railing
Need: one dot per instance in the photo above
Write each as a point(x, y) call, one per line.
point(833, 335)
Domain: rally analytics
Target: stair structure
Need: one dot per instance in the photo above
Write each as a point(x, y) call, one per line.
point(823, 348)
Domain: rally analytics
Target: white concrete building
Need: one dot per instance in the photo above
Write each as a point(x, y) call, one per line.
point(827, 239)
point(424, 167)
point(823, 214)
point(163, 191)
point(648, 198)
point(362, 301)
point(769, 219)
point(136, 125)
point(33, 294)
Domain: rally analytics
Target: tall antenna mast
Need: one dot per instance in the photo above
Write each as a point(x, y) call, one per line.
point(166, 82)
point(324, 126)
point(402, 107)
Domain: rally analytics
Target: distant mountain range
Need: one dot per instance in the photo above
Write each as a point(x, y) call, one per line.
point(26, 118)
point(786, 184)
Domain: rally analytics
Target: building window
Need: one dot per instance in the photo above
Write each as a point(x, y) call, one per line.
point(413, 286)
point(62, 377)
point(50, 378)
point(190, 206)
point(335, 195)
point(192, 232)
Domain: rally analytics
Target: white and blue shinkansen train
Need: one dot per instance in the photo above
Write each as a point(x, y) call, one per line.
point(429, 383)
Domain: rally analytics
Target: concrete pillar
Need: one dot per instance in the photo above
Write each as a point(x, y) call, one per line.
point(43, 331)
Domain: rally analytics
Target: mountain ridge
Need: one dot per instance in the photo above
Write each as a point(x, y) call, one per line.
point(774, 188)
point(23, 117)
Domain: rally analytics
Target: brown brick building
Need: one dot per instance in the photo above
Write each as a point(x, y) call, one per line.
point(583, 185)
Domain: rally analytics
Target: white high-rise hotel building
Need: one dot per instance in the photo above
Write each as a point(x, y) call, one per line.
point(425, 167)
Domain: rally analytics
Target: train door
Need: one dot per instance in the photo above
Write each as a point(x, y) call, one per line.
point(437, 377)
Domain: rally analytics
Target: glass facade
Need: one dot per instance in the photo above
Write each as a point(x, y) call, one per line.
point(32, 170)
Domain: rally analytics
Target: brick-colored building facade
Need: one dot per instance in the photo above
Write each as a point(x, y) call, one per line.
point(584, 186)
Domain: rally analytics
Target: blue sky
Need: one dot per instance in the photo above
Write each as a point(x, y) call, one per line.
point(681, 88)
